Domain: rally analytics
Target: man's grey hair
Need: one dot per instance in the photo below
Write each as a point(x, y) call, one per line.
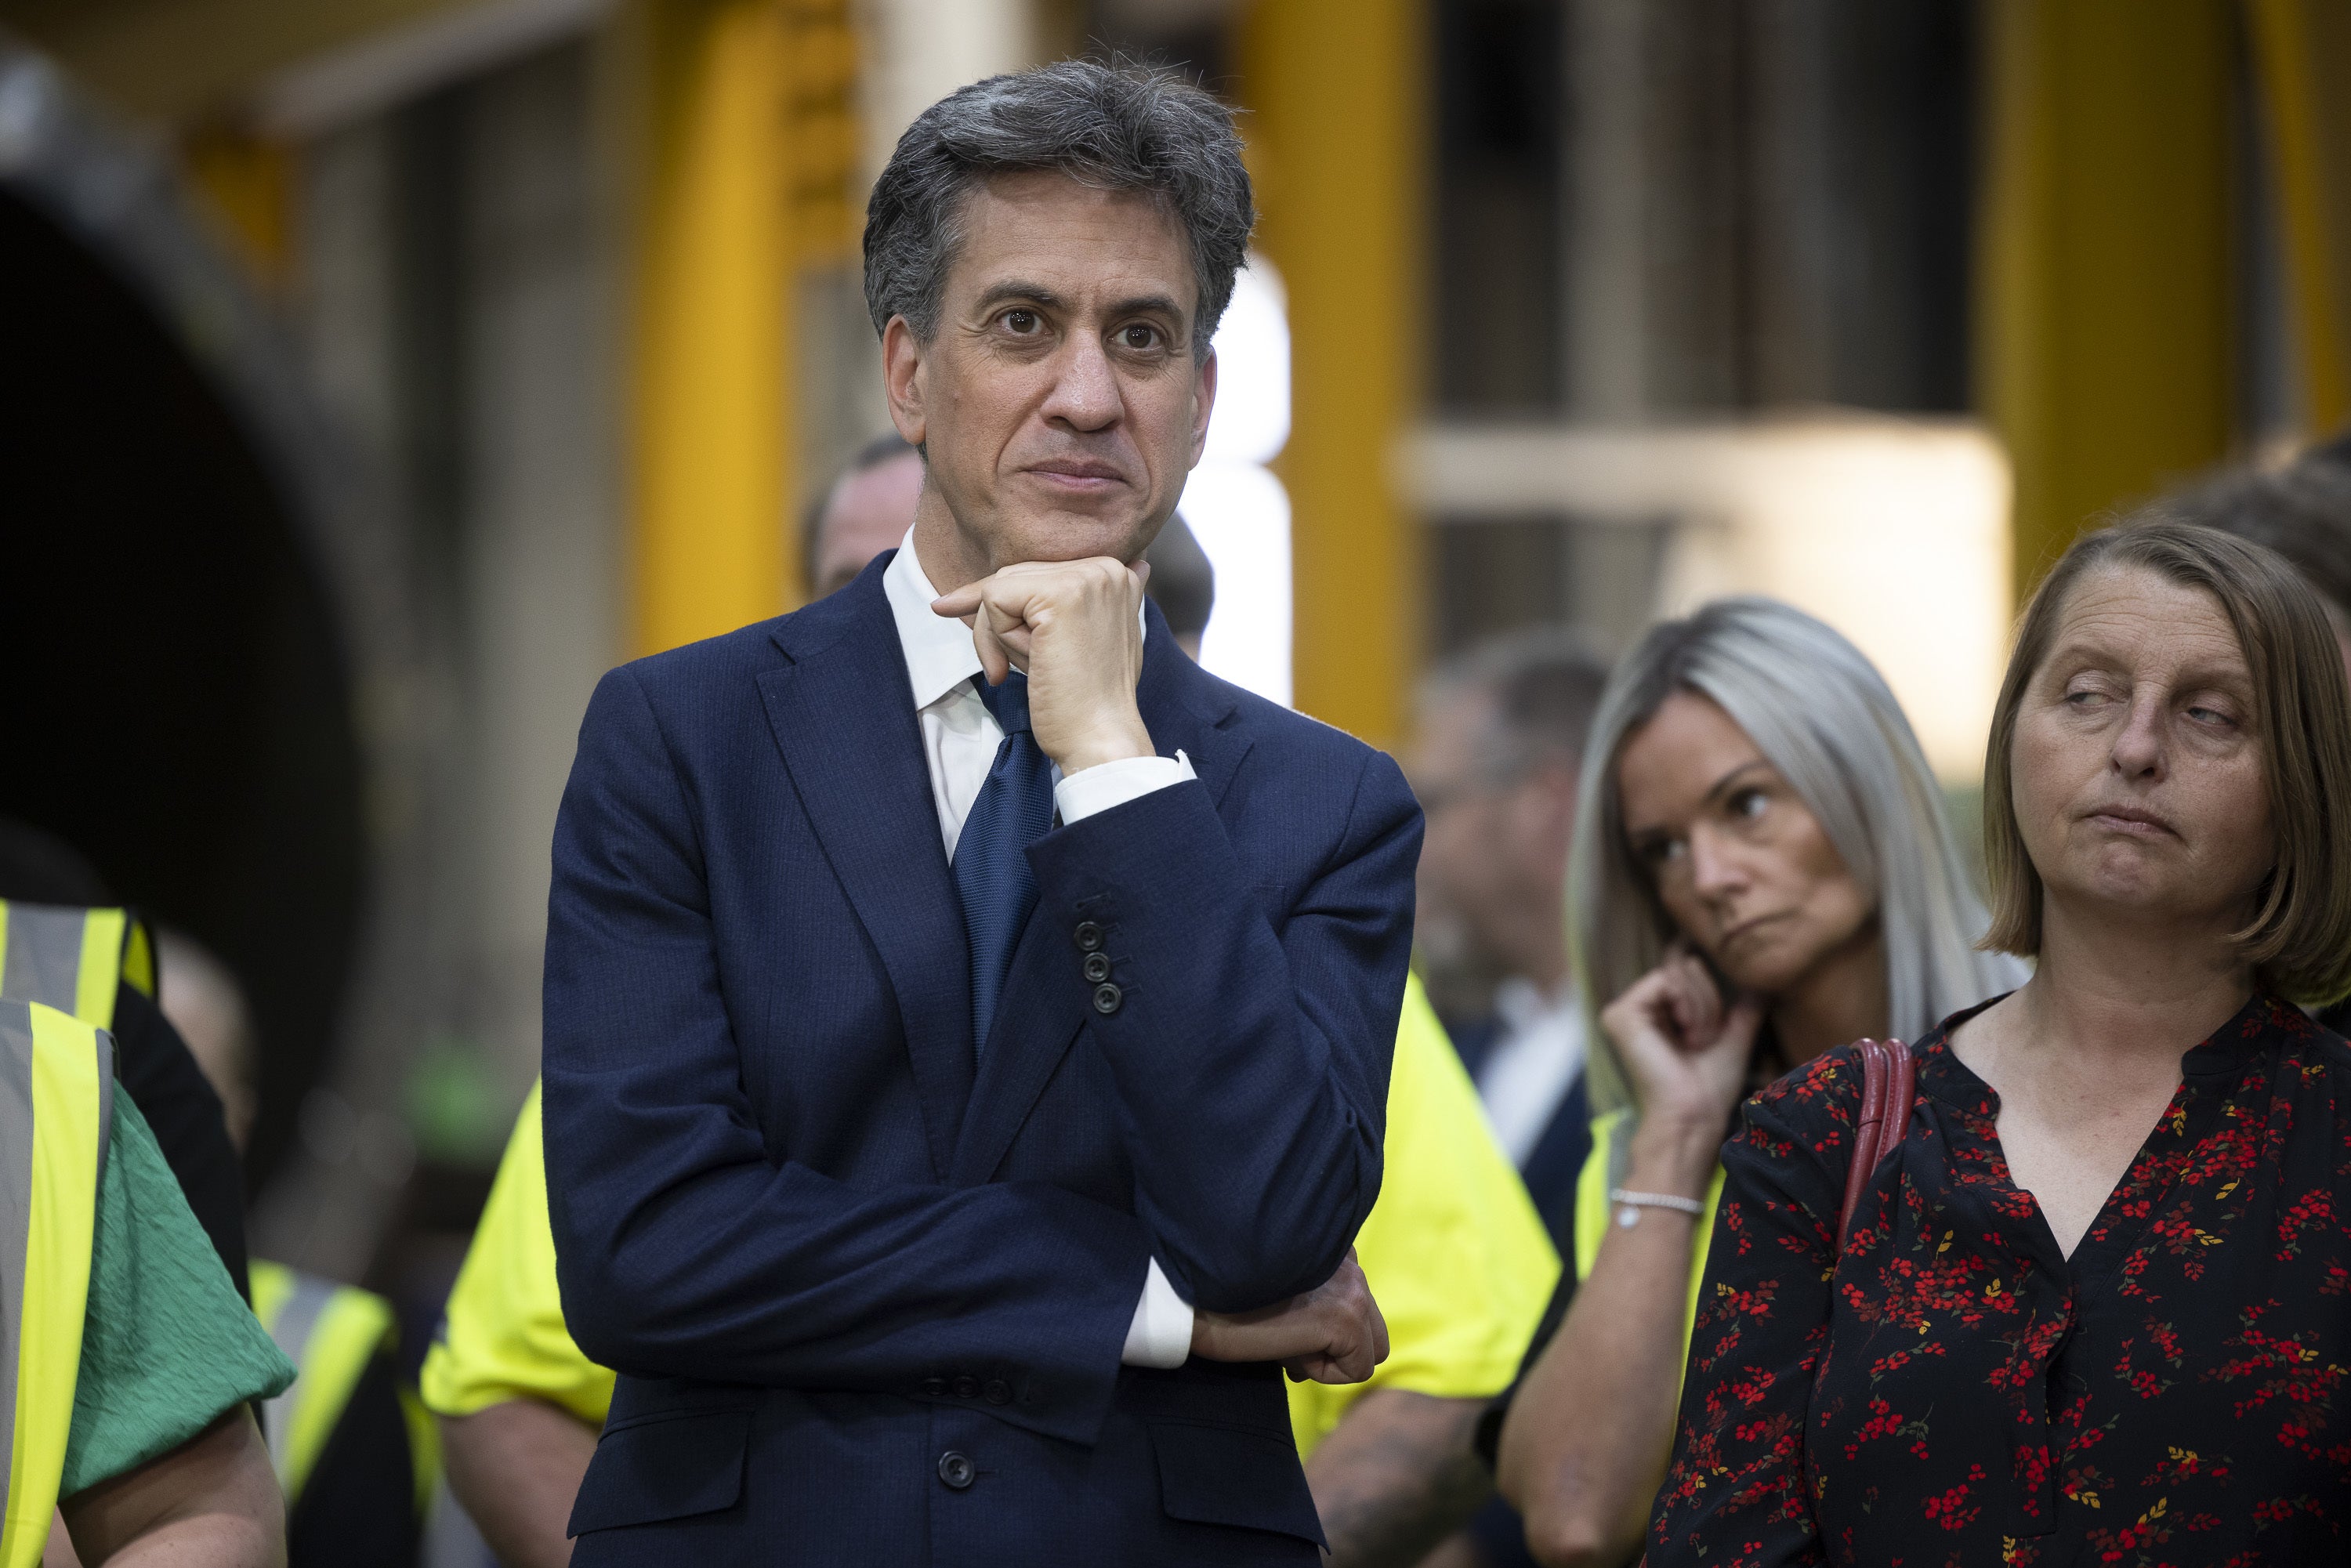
point(1825, 719)
point(1113, 127)
point(1544, 684)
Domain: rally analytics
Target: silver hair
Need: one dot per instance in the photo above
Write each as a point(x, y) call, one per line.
point(1113, 127)
point(1823, 715)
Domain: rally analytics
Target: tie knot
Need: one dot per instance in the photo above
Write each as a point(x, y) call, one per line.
point(1009, 703)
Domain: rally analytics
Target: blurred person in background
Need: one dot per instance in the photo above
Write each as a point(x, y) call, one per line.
point(129, 1370)
point(355, 1454)
point(2302, 510)
point(1461, 1259)
point(1761, 871)
point(865, 511)
point(66, 942)
point(1497, 765)
point(2091, 1308)
point(132, 1363)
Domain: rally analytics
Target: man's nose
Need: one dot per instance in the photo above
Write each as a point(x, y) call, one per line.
point(1085, 393)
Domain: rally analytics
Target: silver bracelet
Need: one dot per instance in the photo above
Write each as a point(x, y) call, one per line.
point(1630, 1204)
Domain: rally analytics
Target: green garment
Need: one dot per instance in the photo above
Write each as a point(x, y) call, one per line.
point(166, 1345)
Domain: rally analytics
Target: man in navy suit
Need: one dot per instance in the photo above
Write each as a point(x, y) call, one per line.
point(967, 1020)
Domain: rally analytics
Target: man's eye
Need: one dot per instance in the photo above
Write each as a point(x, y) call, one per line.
point(1747, 804)
point(1140, 338)
point(1022, 322)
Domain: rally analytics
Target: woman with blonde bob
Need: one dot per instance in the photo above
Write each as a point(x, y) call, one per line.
point(1762, 871)
point(2095, 1303)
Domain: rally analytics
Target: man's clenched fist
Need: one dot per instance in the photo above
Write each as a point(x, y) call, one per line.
point(1074, 628)
point(1333, 1333)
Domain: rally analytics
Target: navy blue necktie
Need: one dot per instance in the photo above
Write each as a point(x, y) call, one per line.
point(991, 861)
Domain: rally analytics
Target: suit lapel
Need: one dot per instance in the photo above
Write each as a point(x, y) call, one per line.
point(844, 718)
point(1045, 998)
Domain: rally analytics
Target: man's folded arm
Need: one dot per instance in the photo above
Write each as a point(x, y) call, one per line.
point(1251, 1060)
point(683, 1250)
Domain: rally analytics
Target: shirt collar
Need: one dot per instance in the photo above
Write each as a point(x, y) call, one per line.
point(938, 648)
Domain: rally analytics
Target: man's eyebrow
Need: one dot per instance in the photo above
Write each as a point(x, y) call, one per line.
point(1019, 288)
point(1147, 304)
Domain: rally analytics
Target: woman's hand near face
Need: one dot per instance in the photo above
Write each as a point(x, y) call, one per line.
point(1583, 1448)
point(1685, 1051)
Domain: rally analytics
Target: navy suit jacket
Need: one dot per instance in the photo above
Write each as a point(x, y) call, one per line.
point(866, 1286)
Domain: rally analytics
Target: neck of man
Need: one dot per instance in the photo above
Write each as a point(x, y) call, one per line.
point(1840, 999)
point(2107, 995)
point(949, 557)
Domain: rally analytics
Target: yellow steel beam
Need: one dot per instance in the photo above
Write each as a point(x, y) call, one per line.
point(709, 388)
point(1337, 90)
point(2301, 50)
point(2104, 283)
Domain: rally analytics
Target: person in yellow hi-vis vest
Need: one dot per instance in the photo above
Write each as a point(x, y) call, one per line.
point(1454, 1249)
point(126, 1359)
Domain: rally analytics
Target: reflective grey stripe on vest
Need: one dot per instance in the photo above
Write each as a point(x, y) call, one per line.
point(44, 958)
point(16, 1208)
point(291, 1329)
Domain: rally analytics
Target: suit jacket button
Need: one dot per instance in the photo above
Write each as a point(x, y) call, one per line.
point(966, 1388)
point(956, 1469)
point(934, 1388)
point(1106, 998)
point(1097, 966)
point(1089, 936)
point(999, 1391)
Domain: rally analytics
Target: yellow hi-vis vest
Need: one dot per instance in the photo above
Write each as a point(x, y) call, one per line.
point(329, 1331)
point(73, 959)
point(56, 1103)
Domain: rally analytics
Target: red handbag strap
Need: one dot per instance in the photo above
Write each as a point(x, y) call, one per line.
point(1889, 1078)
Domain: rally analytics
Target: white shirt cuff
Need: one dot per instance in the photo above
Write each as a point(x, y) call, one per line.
point(1108, 784)
point(1161, 1334)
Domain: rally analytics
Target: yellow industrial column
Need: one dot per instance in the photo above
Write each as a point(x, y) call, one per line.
point(2301, 50)
point(1336, 91)
point(2105, 321)
point(710, 347)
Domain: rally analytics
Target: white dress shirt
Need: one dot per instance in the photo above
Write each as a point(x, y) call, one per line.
point(959, 741)
point(1532, 1065)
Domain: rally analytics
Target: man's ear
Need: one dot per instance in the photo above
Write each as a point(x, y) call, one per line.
point(902, 379)
point(1205, 401)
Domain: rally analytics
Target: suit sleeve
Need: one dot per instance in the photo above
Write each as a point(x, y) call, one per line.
point(1734, 1495)
point(1251, 1053)
point(682, 1249)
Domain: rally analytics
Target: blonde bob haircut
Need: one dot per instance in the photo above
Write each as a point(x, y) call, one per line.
point(2297, 936)
point(1826, 721)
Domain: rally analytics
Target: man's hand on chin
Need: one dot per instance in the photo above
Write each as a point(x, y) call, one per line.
point(1333, 1333)
point(1074, 628)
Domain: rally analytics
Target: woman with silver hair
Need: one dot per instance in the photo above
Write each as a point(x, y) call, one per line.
point(1761, 871)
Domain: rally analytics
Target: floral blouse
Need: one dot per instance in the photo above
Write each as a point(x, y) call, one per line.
point(1953, 1390)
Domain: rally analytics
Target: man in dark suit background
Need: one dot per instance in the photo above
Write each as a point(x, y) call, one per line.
point(1498, 763)
point(968, 1021)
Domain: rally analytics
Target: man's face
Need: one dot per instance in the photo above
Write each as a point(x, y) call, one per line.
point(867, 513)
point(1059, 402)
point(1493, 861)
